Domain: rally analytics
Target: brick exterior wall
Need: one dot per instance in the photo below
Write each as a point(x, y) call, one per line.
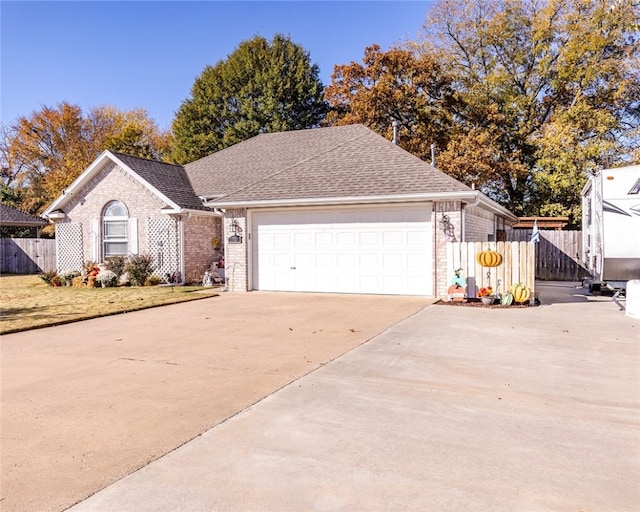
point(111, 184)
point(236, 255)
point(114, 184)
point(443, 211)
point(478, 224)
point(200, 252)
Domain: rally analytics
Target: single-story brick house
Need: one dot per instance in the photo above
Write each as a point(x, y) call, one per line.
point(337, 209)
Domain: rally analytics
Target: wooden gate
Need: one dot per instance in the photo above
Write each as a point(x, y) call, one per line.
point(558, 254)
point(27, 255)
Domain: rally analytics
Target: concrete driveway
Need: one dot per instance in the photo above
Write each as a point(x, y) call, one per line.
point(450, 409)
point(86, 404)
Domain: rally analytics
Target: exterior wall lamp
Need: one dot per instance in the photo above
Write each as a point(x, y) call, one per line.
point(236, 238)
point(447, 227)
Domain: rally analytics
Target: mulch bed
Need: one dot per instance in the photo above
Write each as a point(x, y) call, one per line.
point(477, 303)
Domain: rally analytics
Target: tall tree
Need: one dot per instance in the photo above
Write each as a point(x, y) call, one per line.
point(398, 85)
point(43, 153)
point(548, 87)
point(261, 87)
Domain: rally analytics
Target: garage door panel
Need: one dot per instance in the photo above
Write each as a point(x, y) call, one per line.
point(392, 238)
point(280, 260)
point(418, 238)
point(346, 260)
point(305, 260)
point(346, 238)
point(281, 239)
point(324, 238)
point(369, 260)
point(369, 238)
point(302, 239)
point(350, 250)
point(325, 261)
point(415, 261)
point(394, 261)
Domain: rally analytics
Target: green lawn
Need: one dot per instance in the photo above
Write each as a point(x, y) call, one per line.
point(27, 302)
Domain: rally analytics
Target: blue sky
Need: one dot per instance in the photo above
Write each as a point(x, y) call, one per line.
point(147, 54)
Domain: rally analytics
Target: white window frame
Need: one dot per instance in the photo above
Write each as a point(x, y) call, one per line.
point(107, 239)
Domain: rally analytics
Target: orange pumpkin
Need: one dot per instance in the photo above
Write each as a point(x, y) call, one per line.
point(489, 258)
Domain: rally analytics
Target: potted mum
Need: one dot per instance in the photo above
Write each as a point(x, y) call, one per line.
point(486, 295)
point(106, 278)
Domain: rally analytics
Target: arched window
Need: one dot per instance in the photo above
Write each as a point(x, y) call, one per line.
point(115, 222)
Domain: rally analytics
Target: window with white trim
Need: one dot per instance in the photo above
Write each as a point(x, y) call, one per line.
point(115, 223)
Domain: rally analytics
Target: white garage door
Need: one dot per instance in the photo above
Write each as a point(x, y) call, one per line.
point(349, 250)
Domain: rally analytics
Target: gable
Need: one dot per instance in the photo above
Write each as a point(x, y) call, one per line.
point(113, 183)
point(168, 182)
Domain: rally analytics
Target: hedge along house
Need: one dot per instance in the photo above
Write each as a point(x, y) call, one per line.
point(124, 205)
point(337, 209)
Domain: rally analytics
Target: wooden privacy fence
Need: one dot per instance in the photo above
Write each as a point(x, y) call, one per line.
point(518, 265)
point(558, 254)
point(27, 255)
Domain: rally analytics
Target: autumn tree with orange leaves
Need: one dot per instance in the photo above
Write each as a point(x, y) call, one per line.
point(522, 97)
point(42, 154)
point(395, 85)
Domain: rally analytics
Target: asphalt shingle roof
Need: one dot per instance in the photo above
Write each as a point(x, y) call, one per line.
point(342, 161)
point(169, 179)
point(10, 216)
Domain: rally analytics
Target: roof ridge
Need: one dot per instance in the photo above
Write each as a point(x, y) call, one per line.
point(299, 162)
point(154, 160)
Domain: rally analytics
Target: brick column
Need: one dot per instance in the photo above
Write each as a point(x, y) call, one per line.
point(236, 259)
point(452, 211)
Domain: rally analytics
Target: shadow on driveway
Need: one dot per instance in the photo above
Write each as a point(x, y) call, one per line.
point(565, 292)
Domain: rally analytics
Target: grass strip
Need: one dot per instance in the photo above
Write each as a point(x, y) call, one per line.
point(27, 302)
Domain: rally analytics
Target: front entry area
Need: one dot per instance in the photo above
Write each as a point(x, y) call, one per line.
point(370, 250)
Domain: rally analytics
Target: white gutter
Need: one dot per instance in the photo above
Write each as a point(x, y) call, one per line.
point(470, 197)
point(496, 208)
point(190, 212)
point(318, 201)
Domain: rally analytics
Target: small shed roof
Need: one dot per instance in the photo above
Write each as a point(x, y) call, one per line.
point(12, 217)
point(543, 222)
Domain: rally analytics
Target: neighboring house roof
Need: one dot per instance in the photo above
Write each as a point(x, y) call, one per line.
point(10, 216)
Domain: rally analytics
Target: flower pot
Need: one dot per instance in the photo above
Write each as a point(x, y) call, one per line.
point(488, 300)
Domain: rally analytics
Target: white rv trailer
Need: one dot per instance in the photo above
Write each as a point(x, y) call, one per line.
point(611, 227)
